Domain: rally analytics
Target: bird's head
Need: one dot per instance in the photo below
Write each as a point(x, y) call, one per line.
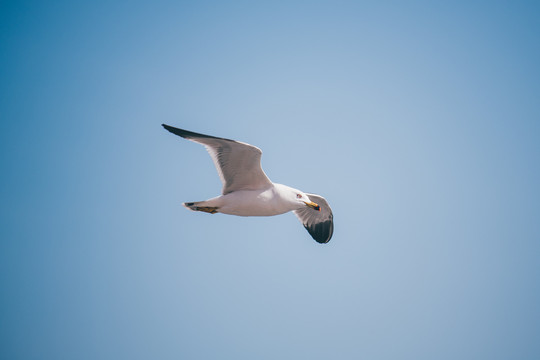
point(303, 199)
point(296, 199)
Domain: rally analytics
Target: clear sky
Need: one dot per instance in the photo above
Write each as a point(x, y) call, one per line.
point(419, 122)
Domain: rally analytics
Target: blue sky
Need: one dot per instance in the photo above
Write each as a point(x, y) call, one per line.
point(419, 122)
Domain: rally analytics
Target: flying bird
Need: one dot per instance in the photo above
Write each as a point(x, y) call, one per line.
point(247, 191)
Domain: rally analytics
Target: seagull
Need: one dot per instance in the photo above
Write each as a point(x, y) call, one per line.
point(247, 191)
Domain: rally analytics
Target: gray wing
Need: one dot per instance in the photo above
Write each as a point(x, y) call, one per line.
point(238, 164)
point(319, 224)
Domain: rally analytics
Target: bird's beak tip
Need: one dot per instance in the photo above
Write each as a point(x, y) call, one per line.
point(313, 205)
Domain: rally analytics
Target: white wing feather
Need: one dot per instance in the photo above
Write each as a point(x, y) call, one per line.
point(238, 164)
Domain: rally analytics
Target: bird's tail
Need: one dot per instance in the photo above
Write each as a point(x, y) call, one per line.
point(201, 206)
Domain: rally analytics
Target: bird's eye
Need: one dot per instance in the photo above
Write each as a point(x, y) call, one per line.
point(298, 196)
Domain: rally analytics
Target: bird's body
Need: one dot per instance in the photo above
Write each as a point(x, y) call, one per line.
point(262, 202)
point(247, 191)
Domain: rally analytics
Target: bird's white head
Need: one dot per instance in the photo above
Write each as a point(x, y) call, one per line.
point(298, 199)
point(302, 198)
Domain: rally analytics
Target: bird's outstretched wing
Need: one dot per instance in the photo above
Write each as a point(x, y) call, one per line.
point(319, 224)
point(238, 164)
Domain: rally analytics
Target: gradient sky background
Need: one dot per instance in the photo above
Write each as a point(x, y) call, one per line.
point(419, 122)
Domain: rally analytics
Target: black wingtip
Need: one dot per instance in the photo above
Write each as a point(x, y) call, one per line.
point(189, 134)
point(321, 232)
point(180, 132)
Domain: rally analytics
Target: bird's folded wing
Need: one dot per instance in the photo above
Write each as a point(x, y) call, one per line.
point(238, 164)
point(319, 224)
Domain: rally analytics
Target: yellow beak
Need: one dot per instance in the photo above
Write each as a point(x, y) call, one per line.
point(313, 205)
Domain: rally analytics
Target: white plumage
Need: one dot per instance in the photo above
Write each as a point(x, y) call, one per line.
point(247, 191)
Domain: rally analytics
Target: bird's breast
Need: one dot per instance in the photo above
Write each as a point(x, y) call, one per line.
point(253, 203)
